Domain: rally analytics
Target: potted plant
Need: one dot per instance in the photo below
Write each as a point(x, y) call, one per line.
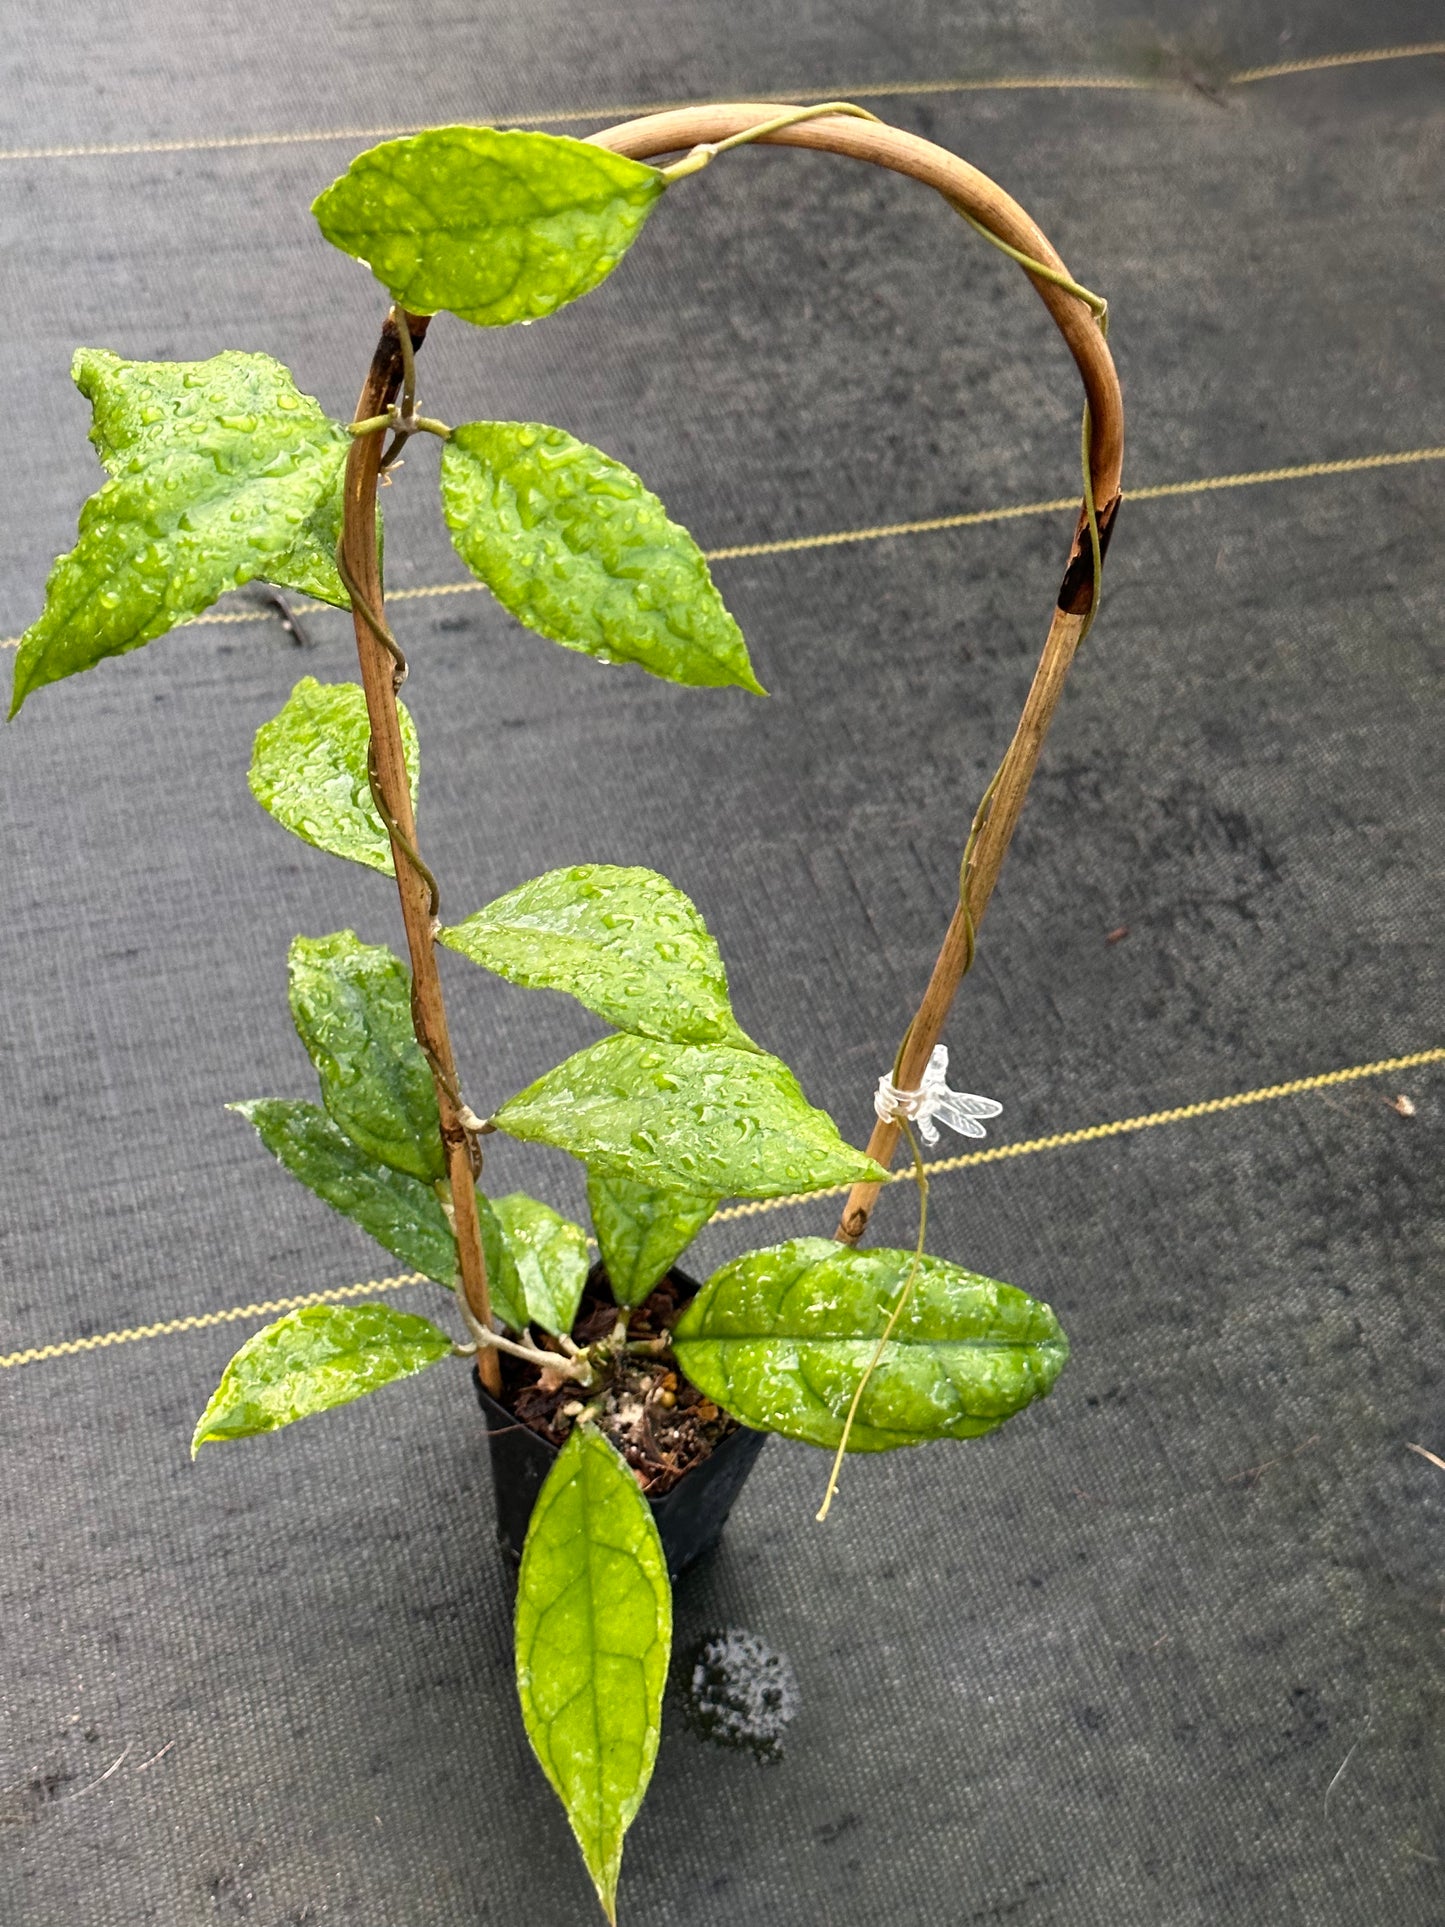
point(627, 1401)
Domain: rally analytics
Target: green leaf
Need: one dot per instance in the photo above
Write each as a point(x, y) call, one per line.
point(310, 567)
point(544, 1262)
point(351, 1003)
point(403, 1216)
point(308, 770)
point(220, 470)
point(781, 1337)
point(576, 548)
point(501, 1278)
point(594, 1630)
point(641, 1231)
point(699, 1118)
point(321, 1356)
point(495, 226)
point(136, 406)
point(625, 942)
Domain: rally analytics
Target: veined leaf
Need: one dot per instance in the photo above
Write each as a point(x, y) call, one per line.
point(701, 1118)
point(320, 1356)
point(403, 1215)
point(494, 226)
point(138, 405)
point(222, 471)
point(503, 1287)
point(576, 548)
point(544, 1262)
point(641, 1231)
point(594, 1630)
point(625, 942)
point(310, 567)
point(308, 770)
point(351, 1003)
point(781, 1337)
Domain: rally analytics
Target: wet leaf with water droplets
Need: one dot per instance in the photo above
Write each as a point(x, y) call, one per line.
point(594, 1632)
point(625, 942)
point(351, 1004)
point(642, 1231)
point(313, 1359)
point(780, 1338)
point(501, 1278)
point(576, 548)
point(221, 472)
point(543, 1263)
point(495, 226)
point(403, 1215)
point(308, 770)
point(687, 1117)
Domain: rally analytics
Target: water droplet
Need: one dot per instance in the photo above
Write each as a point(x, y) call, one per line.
point(741, 1693)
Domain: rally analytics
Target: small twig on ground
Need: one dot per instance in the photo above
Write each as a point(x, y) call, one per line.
point(1210, 90)
point(1340, 1771)
point(1253, 1472)
point(1334, 1104)
point(1410, 1446)
point(115, 1763)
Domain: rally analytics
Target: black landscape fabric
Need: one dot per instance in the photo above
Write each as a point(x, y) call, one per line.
point(1105, 1668)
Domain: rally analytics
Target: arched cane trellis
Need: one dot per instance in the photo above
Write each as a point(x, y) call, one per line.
point(984, 203)
point(1079, 316)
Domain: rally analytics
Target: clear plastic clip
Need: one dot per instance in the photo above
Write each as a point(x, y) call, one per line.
point(933, 1099)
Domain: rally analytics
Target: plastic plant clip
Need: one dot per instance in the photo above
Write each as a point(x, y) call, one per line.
point(933, 1099)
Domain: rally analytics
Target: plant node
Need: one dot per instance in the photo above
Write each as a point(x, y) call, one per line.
point(579, 1365)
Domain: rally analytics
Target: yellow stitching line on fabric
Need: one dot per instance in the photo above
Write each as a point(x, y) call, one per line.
point(975, 518)
point(203, 1321)
point(1117, 1127)
point(569, 116)
point(1154, 492)
point(1319, 63)
point(876, 90)
point(1060, 1140)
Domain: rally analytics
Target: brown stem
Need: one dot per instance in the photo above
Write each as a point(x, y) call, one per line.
point(1010, 787)
point(984, 201)
point(955, 955)
point(379, 678)
point(961, 185)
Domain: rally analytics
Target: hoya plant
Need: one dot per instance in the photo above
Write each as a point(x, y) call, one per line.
point(627, 1377)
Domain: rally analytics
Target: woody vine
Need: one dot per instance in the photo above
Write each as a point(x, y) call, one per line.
point(221, 472)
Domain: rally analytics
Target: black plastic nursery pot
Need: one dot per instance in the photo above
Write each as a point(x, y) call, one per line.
point(690, 1518)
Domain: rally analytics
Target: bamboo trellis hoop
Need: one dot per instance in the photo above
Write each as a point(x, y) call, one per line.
point(984, 203)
